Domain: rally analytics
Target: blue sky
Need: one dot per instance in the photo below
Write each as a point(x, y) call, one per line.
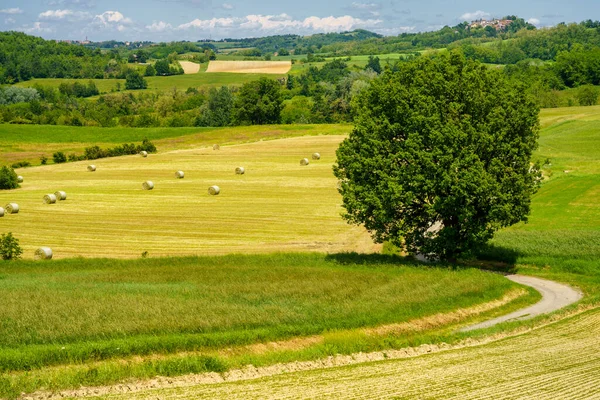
point(165, 20)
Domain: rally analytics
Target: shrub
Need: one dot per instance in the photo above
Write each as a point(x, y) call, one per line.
point(43, 160)
point(8, 178)
point(587, 95)
point(9, 247)
point(21, 164)
point(59, 157)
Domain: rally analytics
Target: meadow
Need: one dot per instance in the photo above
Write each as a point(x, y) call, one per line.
point(30, 142)
point(298, 307)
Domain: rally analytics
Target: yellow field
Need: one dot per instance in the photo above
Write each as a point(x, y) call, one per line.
point(189, 67)
point(560, 361)
point(250, 67)
point(277, 205)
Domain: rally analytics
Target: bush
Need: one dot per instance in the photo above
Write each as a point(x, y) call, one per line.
point(134, 81)
point(21, 164)
point(9, 247)
point(59, 157)
point(587, 95)
point(8, 178)
point(43, 160)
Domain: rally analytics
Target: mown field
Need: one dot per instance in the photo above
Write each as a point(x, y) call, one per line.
point(556, 362)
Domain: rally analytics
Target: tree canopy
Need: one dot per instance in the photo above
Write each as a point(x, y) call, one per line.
point(440, 156)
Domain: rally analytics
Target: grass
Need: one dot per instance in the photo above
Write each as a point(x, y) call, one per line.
point(215, 301)
point(30, 142)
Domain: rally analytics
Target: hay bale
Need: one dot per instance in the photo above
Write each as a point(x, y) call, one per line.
point(91, 168)
point(60, 195)
point(304, 161)
point(43, 253)
point(216, 147)
point(179, 175)
point(1, 212)
point(214, 190)
point(316, 156)
point(240, 171)
point(50, 199)
point(148, 185)
point(19, 179)
point(11, 208)
point(144, 153)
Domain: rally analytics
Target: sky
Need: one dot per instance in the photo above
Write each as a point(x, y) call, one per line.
point(168, 20)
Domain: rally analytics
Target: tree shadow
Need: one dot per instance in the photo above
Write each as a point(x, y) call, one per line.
point(375, 259)
point(489, 257)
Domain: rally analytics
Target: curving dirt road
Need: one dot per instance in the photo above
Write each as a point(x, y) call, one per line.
point(554, 297)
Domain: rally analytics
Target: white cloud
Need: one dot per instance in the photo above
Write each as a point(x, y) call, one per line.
point(534, 21)
point(282, 23)
point(159, 26)
point(112, 17)
point(37, 27)
point(10, 21)
point(69, 15)
point(227, 6)
point(475, 15)
point(13, 11)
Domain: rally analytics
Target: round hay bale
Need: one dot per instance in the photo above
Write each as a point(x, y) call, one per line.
point(1, 212)
point(179, 174)
point(148, 185)
point(11, 208)
point(50, 199)
point(43, 253)
point(60, 195)
point(240, 171)
point(91, 168)
point(19, 179)
point(304, 161)
point(144, 153)
point(214, 190)
point(216, 147)
point(316, 156)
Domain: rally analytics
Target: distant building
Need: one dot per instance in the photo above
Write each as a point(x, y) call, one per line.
point(498, 24)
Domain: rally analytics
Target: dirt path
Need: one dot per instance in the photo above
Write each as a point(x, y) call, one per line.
point(554, 297)
point(189, 67)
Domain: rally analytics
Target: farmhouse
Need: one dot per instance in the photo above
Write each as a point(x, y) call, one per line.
point(498, 24)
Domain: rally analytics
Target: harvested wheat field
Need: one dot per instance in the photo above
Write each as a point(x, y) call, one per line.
point(277, 205)
point(560, 361)
point(250, 67)
point(189, 67)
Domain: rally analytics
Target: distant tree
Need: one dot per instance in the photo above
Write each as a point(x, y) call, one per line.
point(374, 64)
point(587, 95)
point(283, 52)
point(8, 178)
point(259, 103)
point(134, 81)
point(162, 67)
point(9, 247)
point(59, 157)
point(218, 110)
point(440, 156)
point(150, 71)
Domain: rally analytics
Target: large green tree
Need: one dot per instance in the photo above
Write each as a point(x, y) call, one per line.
point(440, 156)
point(259, 103)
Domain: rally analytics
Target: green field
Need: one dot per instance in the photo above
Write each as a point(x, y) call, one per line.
point(163, 83)
point(30, 142)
